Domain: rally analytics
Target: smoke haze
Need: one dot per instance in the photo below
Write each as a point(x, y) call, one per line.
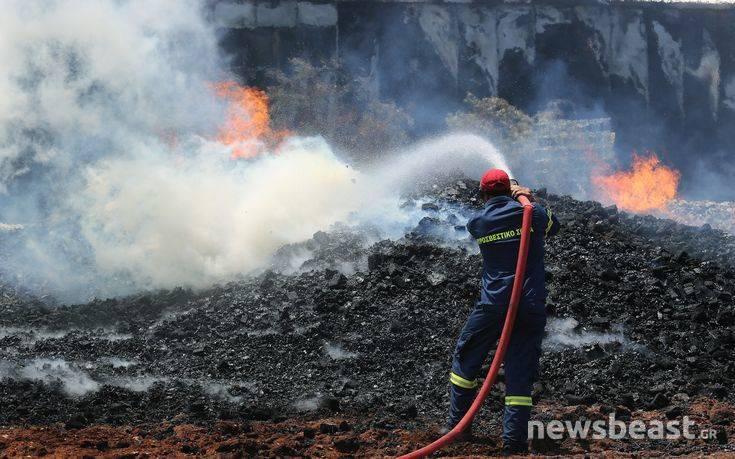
point(109, 159)
point(84, 82)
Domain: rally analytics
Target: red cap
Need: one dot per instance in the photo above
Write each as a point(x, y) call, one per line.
point(495, 181)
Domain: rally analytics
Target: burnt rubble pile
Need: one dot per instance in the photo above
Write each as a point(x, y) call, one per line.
point(641, 316)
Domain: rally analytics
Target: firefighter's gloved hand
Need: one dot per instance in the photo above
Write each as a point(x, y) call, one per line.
point(517, 190)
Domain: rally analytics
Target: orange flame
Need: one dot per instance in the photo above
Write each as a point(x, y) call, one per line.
point(649, 186)
point(247, 128)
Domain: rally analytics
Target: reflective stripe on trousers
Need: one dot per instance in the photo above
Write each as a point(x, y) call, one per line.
point(478, 337)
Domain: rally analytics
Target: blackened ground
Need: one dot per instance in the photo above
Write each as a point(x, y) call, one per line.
point(641, 319)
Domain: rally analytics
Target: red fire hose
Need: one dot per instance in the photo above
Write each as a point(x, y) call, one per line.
point(502, 343)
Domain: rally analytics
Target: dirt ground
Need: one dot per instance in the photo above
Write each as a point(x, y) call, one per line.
point(349, 437)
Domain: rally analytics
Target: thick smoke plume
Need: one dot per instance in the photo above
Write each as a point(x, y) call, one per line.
point(86, 82)
point(109, 156)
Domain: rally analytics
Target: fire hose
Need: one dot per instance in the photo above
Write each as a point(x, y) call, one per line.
point(502, 343)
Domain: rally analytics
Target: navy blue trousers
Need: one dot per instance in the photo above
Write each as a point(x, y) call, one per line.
point(478, 337)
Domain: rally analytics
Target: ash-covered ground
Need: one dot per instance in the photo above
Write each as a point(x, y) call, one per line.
point(641, 320)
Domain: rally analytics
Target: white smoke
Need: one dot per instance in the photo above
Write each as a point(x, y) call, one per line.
point(73, 380)
point(85, 80)
point(308, 403)
point(219, 390)
point(201, 218)
point(336, 352)
point(206, 218)
point(140, 383)
point(108, 157)
point(565, 332)
point(117, 362)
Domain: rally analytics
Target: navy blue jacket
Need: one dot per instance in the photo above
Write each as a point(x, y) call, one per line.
point(497, 229)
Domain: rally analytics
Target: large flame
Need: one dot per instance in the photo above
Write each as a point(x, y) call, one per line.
point(247, 128)
point(649, 186)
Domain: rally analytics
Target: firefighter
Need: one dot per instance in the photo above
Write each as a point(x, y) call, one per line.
point(496, 228)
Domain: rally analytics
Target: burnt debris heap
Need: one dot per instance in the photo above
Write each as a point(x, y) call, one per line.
point(641, 307)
